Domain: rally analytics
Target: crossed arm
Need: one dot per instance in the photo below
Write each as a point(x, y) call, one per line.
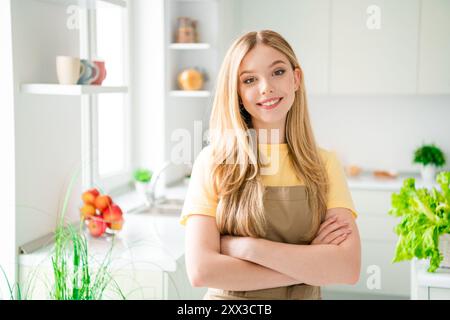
point(244, 263)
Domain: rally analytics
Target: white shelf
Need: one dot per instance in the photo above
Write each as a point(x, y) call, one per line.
point(87, 3)
point(68, 90)
point(197, 94)
point(189, 46)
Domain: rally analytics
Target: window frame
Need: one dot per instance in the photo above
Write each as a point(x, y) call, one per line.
point(120, 180)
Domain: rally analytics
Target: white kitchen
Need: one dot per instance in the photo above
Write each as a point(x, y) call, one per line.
point(106, 104)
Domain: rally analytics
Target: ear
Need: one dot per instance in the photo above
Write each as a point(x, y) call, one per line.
point(297, 78)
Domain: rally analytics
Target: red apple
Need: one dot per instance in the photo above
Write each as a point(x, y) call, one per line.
point(112, 213)
point(102, 202)
point(89, 196)
point(97, 226)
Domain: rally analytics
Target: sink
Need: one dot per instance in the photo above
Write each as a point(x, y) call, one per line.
point(166, 207)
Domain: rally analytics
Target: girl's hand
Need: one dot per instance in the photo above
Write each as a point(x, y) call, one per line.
point(233, 246)
point(332, 231)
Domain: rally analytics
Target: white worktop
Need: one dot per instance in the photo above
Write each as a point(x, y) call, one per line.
point(366, 181)
point(147, 241)
point(422, 278)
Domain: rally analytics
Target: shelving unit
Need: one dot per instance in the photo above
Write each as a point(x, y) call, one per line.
point(68, 90)
point(190, 94)
point(183, 110)
point(189, 46)
point(87, 3)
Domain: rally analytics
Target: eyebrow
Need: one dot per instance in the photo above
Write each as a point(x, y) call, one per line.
point(271, 65)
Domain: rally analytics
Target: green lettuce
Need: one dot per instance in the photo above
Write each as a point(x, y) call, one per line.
point(425, 217)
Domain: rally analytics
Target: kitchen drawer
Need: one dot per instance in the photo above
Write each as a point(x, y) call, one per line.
point(371, 202)
point(134, 284)
point(138, 285)
point(438, 293)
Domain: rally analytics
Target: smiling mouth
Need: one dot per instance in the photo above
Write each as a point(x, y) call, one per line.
point(270, 105)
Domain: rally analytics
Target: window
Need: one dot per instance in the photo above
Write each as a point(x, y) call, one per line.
point(113, 148)
point(110, 117)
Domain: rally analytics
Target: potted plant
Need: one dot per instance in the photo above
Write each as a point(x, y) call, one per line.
point(142, 178)
point(430, 157)
point(425, 223)
point(76, 274)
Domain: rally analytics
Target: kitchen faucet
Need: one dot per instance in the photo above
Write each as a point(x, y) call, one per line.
point(153, 183)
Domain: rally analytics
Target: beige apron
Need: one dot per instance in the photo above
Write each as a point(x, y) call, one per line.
point(288, 220)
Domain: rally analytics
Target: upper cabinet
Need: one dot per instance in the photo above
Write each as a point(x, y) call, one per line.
point(374, 46)
point(434, 56)
point(360, 46)
point(304, 24)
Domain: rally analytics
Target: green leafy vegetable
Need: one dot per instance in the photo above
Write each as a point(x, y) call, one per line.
point(425, 217)
point(429, 155)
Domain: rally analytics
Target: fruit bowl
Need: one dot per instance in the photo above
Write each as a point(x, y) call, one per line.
point(97, 227)
point(100, 215)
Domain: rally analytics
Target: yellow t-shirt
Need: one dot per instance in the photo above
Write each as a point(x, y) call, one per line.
point(278, 172)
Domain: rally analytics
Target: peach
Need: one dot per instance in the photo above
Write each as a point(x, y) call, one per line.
point(116, 225)
point(112, 213)
point(102, 202)
point(87, 211)
point(89, 196)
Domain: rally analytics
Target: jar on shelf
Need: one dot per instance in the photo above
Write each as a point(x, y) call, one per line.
point(194, 25)
point(186, 32)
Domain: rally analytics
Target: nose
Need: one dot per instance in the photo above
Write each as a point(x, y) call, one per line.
point(266, 87)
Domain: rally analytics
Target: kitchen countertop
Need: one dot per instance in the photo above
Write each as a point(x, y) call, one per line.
point(147, 241)
point(367, 181)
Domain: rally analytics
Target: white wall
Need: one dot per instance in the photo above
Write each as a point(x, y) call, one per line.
point(7, 165)
point(47, 128)
point(381, 132)
point(147, 85)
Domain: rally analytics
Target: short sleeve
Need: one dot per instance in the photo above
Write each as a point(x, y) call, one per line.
point(339, 193)
point(200, 197)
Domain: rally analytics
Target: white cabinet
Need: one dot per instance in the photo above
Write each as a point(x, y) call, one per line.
point(309, 38)
point(37, 282)
point(434, 61)
point(366, 59)
point(439, 294)
point(429, 285)
point(360, 46)
point(178, 285)
point(379, 276)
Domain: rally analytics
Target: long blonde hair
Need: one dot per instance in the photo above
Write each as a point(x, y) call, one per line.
point(238, 183)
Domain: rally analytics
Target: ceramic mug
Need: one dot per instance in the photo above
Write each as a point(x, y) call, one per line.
point(89, 72)
point(68, 69)
point(101, 75)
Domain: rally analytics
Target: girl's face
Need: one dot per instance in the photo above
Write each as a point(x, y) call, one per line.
point(267, 85)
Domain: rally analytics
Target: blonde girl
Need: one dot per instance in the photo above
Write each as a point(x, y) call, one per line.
point(268, 213)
